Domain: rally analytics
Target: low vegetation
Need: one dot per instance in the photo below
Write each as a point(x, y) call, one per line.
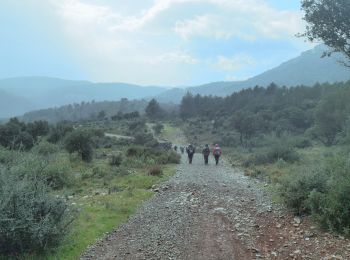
point(63, 186)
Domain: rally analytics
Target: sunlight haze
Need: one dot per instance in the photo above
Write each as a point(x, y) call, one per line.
point(158, 42)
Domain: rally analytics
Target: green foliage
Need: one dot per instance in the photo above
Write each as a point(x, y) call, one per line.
point(58, 173)
point(145, 139)
point(80, 141)
point(254, 112)
point(140, 155)
point(86, 111)
point(155, 171)
point(331, 207)
point(274, 153)
point(7, 157)
point(99, 172)
point(169, 157)
point(328, 21)
point(134, 151)
point(31, 219)
point(59, 131)
point(158, 128)
point(331, 116)
point(116, 159)
point(38, 128)
point(101, 115)
point(296, 188)
point(45, 148)
point(54, 170)
point(14, 135)
point(246, 124)
point(153, 110)
point(323, 191)
point(301, 142)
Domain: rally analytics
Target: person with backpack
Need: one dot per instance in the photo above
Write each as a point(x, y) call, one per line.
point(206, 153)
point(190, 152)
point(217, 152)
point(182, 150)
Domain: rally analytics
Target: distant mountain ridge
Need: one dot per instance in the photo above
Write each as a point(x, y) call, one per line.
point(20, 95)
point(34, 93)
point(307, 69)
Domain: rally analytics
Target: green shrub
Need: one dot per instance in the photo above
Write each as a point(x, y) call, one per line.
point(54, 170)
point(174, 157)
point(158, 128)
point(273, 154)
point(31, 219)
point(116, 159)
point(7, 157)
point(155, 171)
point(296, 188)
point(121, 171)
point(134, 151)
point(145, 139)
point(331, 207)
point(169, 157)
point(80, 141)
point(45, 148)
point(301, 142)
point(99, 172)
point(57, 174)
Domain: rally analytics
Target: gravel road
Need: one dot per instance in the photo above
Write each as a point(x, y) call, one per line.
point(210, 212)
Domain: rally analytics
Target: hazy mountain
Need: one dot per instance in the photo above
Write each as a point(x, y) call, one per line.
point(307, 69)
point(19, 95)
point(35, 93)
point(13, 104)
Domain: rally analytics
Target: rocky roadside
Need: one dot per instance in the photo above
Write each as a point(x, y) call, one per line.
point(209, 212)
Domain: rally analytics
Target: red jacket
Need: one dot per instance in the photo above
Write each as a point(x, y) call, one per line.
point(217, 151)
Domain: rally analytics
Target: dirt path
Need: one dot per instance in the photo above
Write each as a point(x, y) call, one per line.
point(209, 212)
point(119, 136)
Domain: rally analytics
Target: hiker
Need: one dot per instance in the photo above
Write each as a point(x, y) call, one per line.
point(190, 152)
point(175, 148)
point(182, 150)
point(206, 153)
point(217, 153)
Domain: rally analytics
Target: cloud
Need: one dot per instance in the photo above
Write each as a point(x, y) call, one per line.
point(235, 63)
point(180, 57)
point(248, 20)
point(154, 42)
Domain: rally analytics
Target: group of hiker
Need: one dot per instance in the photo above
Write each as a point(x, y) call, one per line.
point(191, 150)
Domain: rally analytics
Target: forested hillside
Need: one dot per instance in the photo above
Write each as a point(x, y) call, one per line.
point(295, 138)
point(255, 111)
point(91, 111)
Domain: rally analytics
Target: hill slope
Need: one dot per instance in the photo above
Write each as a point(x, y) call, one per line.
point(307, 69)
point(33, 93)
point(42, 92)
point(13, 104)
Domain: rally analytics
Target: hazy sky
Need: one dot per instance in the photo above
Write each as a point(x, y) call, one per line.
point(148, 42)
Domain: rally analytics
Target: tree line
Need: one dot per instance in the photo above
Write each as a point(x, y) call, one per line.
point(323, 111)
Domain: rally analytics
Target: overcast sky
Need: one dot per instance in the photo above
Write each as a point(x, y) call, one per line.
point(148, 42)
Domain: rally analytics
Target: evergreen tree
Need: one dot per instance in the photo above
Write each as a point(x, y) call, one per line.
point(153, 110)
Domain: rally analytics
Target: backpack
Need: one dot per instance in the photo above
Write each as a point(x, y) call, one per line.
point(217, 151)
point(206, 151)
point(190, 150)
